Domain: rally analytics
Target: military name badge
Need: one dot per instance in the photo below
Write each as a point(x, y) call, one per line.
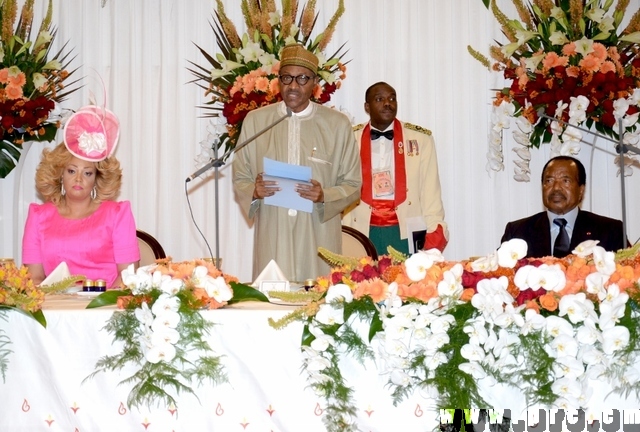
point(412, 148)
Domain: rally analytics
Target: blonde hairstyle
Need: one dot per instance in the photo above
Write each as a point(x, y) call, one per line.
point(52, 165)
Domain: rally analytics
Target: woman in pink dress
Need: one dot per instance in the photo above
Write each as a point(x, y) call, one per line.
point(80, 222)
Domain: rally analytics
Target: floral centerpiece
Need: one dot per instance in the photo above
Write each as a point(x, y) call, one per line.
point(546, 326)
point(244, 75)
point(162, 332)
point(31, 82)
point(18, 293)
point(569, 60)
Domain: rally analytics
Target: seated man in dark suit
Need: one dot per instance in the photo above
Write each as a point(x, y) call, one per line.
point(563, 226)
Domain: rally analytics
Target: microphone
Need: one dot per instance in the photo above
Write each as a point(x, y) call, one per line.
point(220, 161)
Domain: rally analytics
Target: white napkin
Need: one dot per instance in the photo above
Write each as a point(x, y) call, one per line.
point(271, 279)
point(59, 273)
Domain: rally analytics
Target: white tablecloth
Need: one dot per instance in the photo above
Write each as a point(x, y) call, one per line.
point(45, 388)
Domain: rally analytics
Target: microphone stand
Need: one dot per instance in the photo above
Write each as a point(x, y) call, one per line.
point(216, 163)
point(621, 148)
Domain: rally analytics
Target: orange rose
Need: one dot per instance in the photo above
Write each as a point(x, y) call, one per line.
point(467, 294)
point(549, 302)
point(123, 301)
point(532, 304)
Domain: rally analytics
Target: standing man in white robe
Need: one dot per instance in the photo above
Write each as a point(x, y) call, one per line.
point(314, 136)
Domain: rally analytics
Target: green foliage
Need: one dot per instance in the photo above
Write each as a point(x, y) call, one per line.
point(242, 293)
point(161, 382)
point(5, 342)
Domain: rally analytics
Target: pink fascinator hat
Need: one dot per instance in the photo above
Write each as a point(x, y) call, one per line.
point(92, 133)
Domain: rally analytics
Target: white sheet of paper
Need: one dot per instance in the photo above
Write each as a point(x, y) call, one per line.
point(414, 224)
point(287, 176)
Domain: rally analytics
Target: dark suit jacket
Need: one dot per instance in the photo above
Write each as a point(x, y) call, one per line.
point(535, 230)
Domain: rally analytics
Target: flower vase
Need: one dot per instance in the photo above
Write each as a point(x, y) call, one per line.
point(17, 187)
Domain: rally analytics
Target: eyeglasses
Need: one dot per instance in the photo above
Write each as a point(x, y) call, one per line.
point(300, 79)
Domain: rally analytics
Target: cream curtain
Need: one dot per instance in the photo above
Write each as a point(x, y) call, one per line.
point(140, 50)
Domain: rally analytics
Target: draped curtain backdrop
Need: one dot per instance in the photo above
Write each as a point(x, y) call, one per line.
point(140, 49)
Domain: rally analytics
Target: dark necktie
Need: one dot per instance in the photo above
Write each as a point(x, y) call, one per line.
point(561, 246)
point(375, 134)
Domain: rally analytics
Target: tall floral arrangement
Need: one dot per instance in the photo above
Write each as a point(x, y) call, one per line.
point(548, 327)
point(32, 81)
point(243, 76)
point(162, 332)
point(571, 60)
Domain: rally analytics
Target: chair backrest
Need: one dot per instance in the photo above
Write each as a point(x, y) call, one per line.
point(150, 248)
point(356, 244)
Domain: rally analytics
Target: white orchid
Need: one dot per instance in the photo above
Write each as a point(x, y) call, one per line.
point(165, 318)
point(549, 277)
point(165, 335)
point(322, 341)
point(585, 248)
point(577, 307)
point(533, 321)
point(615, 339)
point(511, 251)
point(474, 369)
point(339, 292)
point(557, 326)
point(604, 261)
point(144, 315)
point(163, 351)
point(418, 263)
point(165, 303)
point(329, 315)
point(216, 288)
point(486, 264)
point(451, 283)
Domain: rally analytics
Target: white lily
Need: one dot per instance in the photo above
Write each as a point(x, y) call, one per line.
point(558, 38)
point(584, 46)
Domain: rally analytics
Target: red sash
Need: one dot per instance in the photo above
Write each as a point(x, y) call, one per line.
point(383, 211)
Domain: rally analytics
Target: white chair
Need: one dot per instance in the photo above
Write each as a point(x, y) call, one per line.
point(150, 248)
point(356, 244)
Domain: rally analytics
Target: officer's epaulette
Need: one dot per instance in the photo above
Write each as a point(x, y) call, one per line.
point(417, 128)
point(359, 126)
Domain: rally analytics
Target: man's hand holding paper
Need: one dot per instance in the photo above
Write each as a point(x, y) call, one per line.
point(289, 186)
